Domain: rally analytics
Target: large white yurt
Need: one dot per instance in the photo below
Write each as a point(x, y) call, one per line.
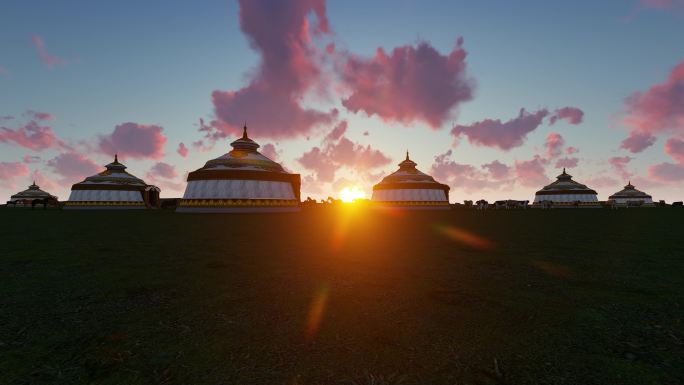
point(630, 196)
point(565, 192)
point(243, 180)
point(410, 188)
point(113, 188)
point(25, 198)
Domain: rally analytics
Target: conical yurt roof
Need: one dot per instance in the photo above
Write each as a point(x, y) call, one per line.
point(115, 174)
point(408, 185)
point(33, 192)
point(630, 192)
point(565, 185)
point(243, 157)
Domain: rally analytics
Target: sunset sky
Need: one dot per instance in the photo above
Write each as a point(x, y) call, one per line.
point(492, 98)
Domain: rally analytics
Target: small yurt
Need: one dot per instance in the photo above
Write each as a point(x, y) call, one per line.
point(630, 196)
point(410, 188)
point(565, 192)
point(243, 180)
point(113, 188)
point(25, 198)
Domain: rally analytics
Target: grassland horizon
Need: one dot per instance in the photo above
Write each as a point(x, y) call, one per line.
point(342, 295)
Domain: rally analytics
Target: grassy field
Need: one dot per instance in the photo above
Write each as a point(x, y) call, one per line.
point(342, 297)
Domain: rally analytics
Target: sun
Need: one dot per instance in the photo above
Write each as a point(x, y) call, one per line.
point(350, 194)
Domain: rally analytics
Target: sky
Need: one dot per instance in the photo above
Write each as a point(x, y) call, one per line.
point(492, 98)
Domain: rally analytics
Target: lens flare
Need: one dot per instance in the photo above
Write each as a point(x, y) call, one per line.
point(316, 310)
point(465, 237)
point(350, 194)
point(554, 269)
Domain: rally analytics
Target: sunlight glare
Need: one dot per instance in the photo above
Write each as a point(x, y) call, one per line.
point(350, 194)
point(465, 237)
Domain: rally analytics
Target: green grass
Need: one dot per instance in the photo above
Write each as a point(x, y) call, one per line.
point(561, 297)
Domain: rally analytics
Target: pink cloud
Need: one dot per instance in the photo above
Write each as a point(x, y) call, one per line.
point(504, 135)
point(338, 151)
point(162, 170)
point(72, 167)
point(531, 173)
point(281, 32)
point(619, 164)
point(656, 110)
point(465, 176)
point(412, 83)
point(572, 115)
point(567, 162)
point(31, 135)
point(354, 155)
point(48, 59)
point(674, 147)
point(554, 145)
point(135, 140)
point(666, 172)
point(164, 175)
point(337, 132)
point(637, 141)
point(9, 171)
point(269, 150)
point(497, 169)
point(319, 162)
point(182, 150)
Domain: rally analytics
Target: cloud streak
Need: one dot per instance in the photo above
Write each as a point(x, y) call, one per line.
point(572, 115)
point(50, 61)
point(503, 135)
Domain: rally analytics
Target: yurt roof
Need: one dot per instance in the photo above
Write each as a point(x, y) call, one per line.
point(629, 192)
point(114, 174)
point(565, 185)
point(408, 175)
point(33, 192)
point(243, 157)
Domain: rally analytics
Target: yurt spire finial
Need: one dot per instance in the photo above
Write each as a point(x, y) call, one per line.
point(116, 158)
point(244, 131)
point(407, 155)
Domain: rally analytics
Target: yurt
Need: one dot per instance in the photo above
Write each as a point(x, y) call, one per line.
point(33, 193)
point(565, 192)
point(410, 188)
point(243, 180)
point(113, 188)
point(630, 196)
